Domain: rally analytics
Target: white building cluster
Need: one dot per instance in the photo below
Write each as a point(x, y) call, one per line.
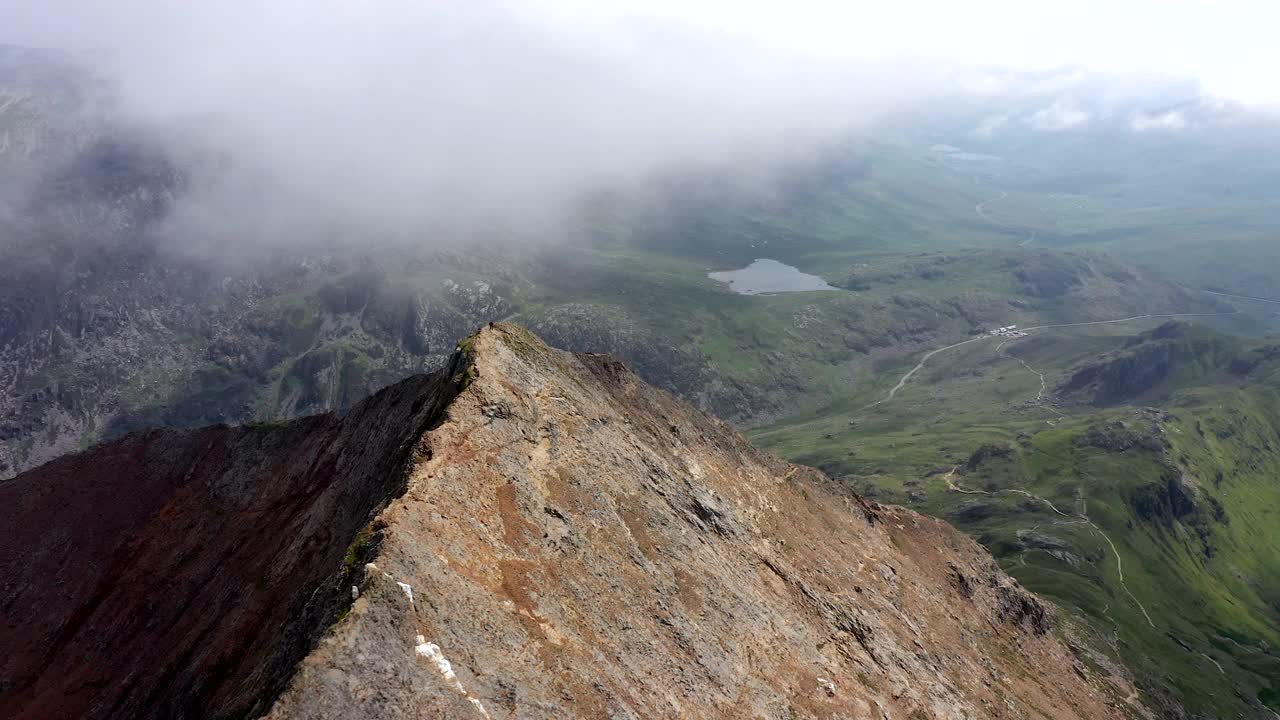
point(1010, 331)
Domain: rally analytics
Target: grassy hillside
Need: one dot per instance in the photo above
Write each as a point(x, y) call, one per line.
point(1196, 209)
point(749, 358)
point(1179, 499)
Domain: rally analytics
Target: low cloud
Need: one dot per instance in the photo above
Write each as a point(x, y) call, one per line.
point(392, 120)
point(1169, 120)
point(408, 119)
point(989, 126)
point(1061, 115)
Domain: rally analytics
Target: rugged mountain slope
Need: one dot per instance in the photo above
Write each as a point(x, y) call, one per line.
point(566, 541)
point(110, 340)
point(1153, 365)
point(1162, 534)
point(182, 573)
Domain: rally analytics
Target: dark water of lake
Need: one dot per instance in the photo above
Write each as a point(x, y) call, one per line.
point(769, 276)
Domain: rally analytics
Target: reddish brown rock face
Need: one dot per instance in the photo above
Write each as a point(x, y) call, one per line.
point(551, 538)
point(183, 573)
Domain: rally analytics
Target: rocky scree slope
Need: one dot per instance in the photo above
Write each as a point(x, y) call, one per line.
point(530, 533)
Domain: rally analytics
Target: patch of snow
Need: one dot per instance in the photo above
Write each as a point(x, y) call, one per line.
point(431, 651)
point(827, 686)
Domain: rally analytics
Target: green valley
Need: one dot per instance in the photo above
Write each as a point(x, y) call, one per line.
point(1147, 510)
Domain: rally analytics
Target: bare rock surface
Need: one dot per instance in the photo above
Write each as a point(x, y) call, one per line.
point(574, 543)
point(528, 533)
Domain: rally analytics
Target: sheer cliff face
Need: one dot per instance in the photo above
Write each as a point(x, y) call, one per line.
point(529, 534)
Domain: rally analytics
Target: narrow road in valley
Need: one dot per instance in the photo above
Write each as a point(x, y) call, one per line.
point(1083, 516)
point(981, 209)
point(903, 381)
point(914, 370)
point(1242, 297)
point(1130, 319)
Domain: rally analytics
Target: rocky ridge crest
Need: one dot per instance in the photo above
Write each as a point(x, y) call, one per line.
point(528, 533)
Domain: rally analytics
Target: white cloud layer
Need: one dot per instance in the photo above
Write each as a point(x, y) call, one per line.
point(397, 113)
point(391, 113)
point(1170, 120)
point(1061, 115)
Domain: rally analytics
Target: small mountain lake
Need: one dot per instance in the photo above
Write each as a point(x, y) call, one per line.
point(769, 276)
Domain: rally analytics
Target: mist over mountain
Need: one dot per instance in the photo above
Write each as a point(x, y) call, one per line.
point(287, 127)
point(1010, 265)
point(409, 123)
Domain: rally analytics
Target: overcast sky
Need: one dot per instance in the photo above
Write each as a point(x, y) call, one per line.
point(1228, 44)
point(390, 109)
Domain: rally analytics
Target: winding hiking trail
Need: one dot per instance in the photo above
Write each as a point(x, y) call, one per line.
point(981, 210)
point(1043, 388)
point(1069, 518)
point(1120, 569)
point(949, 478)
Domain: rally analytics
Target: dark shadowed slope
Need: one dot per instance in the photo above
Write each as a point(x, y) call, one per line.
point(182, 573)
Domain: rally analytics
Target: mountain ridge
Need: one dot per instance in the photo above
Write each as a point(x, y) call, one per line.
point(566, 541)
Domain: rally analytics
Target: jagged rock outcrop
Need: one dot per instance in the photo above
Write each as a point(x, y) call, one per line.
point(1119, 436)
point(565, 541)
point(1153, 365)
